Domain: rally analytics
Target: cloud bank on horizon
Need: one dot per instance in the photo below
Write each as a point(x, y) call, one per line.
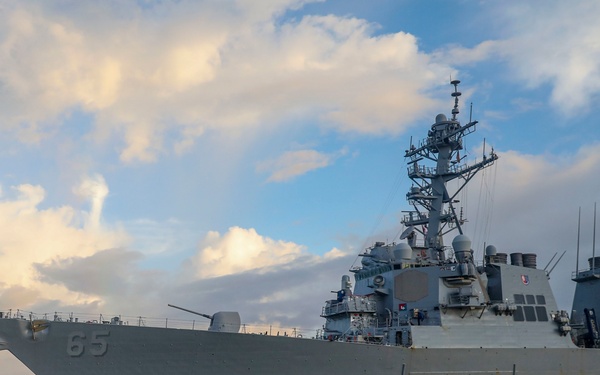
point(285, 99)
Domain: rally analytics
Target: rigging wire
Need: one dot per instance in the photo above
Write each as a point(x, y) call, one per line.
point(485, 208)
point(477, 233)
point(490, 212)
point(385, 206)
point(464, 199)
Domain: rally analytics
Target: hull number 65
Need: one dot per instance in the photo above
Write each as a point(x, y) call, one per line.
point(96, 343)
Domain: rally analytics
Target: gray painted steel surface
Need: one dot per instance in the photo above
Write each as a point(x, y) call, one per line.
point(160, 351)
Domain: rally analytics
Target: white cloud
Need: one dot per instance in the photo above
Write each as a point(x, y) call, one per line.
point(545, 42)
point(334, 253)
point(547, 46)
point(241, 250)
point(53, 259)
point(174, 70)
point(95, 190)
point(30, 234)
point(295, 163)
point(463, 55)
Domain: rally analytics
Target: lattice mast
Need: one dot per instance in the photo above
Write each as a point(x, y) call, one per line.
point(434, 213)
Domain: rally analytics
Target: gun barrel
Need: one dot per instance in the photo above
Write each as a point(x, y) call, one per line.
point(191, 311)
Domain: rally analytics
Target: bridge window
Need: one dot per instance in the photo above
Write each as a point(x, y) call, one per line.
point(529, 313)
point(530, 299)
point(518, 314)
point(541, 300)
point(542, 315)
point(519, 299)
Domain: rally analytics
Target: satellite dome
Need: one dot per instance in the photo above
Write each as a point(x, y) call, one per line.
point(461, 243)
point(490, 250)
point(462, 247)
point(403, 251)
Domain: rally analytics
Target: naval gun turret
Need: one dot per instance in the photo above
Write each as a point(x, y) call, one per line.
point(222, 321)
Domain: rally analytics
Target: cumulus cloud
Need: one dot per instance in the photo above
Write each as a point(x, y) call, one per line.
point(540, 183)
point(30, 234)
point(548, 47)
point(295, 163)
point(531, 204)
point(543, 45)
point(241, 250)
point(155, 78)
point(95, 190)
point(52, 259)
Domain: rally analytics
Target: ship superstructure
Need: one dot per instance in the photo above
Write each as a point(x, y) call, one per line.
point(424, 294)
point(584, 322)
point(586, 303)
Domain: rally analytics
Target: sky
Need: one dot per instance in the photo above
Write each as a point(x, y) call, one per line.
point(239, 155)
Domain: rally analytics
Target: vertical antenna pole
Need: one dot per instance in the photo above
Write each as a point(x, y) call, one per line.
point(471, 113)
point(594, 242)
point(484, 148)
point(484, 246)
point(578, 236)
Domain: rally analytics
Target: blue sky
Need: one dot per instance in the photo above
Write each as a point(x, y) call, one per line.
point(202, 145)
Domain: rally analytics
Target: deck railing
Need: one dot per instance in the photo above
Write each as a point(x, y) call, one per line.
point(156, 322)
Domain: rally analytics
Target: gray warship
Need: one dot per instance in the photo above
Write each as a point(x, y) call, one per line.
point(417, 306)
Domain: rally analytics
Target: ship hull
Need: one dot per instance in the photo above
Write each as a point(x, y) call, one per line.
point(96, 349)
